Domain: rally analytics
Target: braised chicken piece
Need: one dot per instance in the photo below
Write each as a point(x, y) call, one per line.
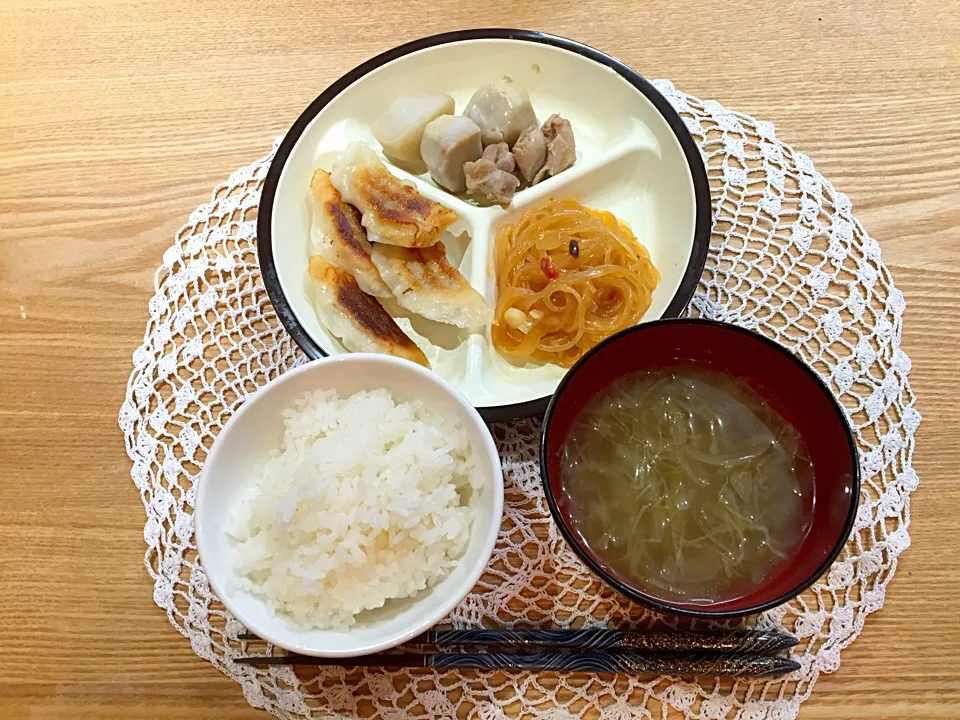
point(561, 148)
point(492, 176)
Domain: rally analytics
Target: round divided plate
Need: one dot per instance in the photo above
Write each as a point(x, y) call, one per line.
point(635, 159)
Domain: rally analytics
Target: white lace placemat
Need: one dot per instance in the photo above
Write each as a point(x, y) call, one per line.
point(788, 259)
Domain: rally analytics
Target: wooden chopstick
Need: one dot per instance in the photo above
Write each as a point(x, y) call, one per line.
point(632, 662)
point(740, 640)
point(741, 652)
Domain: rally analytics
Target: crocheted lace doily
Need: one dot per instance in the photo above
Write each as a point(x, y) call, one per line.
point(788, 259)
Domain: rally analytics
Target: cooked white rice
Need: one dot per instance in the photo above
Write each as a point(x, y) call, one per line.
point(364, 502)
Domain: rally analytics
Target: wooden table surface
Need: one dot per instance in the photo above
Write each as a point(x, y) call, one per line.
point(118, 117)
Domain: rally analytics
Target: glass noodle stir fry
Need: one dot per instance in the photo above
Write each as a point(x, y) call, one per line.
point(688, 484)
point(568, 277)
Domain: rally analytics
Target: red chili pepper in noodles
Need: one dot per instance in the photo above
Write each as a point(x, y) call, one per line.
point(547, 266)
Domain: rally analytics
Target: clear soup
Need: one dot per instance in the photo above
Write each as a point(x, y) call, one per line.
point(687, 483)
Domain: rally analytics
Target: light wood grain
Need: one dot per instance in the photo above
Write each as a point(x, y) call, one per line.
point(116, 120)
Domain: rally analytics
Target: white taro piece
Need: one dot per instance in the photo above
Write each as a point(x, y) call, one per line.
point(400, 129)
point(502, 111)
point(449, 142)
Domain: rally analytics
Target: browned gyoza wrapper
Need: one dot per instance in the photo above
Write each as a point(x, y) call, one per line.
point(393, 212)
point(358, 320)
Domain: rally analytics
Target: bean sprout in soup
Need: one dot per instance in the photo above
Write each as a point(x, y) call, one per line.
point(688, 484)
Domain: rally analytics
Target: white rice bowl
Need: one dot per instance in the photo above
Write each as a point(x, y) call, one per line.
point(366, 501)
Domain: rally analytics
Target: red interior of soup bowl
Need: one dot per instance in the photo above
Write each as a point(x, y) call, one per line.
point(785, 382)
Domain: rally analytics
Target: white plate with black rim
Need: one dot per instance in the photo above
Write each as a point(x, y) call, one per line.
point(635, 159)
